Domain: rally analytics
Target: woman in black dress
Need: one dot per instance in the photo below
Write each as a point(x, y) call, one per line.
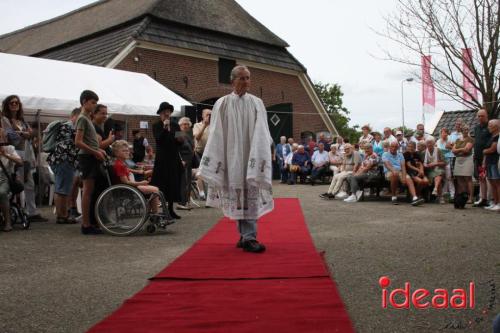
point(168, 167)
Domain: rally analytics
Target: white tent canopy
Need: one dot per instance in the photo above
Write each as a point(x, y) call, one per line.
point(54, 87)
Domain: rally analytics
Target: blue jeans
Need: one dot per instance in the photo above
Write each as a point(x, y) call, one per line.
point(247, 229)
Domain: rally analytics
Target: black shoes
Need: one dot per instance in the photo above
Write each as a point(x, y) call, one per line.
point(327, 196)
point(253, 246)
point(91, 230)
point(174, 216)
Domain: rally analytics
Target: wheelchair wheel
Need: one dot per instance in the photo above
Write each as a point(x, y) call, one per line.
point(18, 216)
point(121, 210)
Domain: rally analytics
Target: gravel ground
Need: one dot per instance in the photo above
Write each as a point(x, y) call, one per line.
point(55, 280)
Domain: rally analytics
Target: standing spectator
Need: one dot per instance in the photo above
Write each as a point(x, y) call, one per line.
point(141, 145)
point(350, 164)
point(63, 162)
point(324, 141)
point(8, 159)
point(378, 144)
point(168, 167)
point(481, 138)
point(457, 133)
point(310, 146)
point(464, 163)
point(300, 165)
point(340, 145)
point(415, 168)
point(187, 154)
point(421, 128)
point(388, 136)
point(366, 137)
point(319, 163)
point(395, 173)
point(445, 145)
point(19, 134)
point(491, 164)
point(335, 160)
point(418, 137)
point(282, 151)
point(367, 172)
point(201, 131)
point(290, 141)
point(90, 156)
point(402, 142)
point(434, 165)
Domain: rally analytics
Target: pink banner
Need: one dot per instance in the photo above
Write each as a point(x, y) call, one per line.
point(428, 93)
point(470, 92)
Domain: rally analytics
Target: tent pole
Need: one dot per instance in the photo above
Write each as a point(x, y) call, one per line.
point(39, 157)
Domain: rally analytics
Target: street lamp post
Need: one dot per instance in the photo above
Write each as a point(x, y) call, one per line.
point(410, 79)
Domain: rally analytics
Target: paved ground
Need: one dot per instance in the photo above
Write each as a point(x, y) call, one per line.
point(55, 280)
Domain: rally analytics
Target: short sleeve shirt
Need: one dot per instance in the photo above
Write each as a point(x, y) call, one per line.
point(492, 158)
point(119, 170)
point(351, 161)
point(395, 160)
point(200, 144)
point(83, 123)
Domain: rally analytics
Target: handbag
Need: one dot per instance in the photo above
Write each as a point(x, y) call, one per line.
point(15, 185)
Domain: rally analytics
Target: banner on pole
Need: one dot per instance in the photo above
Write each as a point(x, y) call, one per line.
point(470, 91)
point(428, 92)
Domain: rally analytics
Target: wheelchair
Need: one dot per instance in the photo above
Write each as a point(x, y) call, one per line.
point(122, 210)
point(17, 214)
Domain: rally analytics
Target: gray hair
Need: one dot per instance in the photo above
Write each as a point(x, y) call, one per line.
point(430, 139)
point(236, 70)
point(185, 120)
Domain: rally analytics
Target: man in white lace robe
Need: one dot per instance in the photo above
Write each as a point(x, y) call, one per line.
point(237, 162)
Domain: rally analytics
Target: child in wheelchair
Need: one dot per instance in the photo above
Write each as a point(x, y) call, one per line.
point(123, 175)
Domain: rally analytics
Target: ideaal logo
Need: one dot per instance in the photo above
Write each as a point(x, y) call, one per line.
point(423, 298)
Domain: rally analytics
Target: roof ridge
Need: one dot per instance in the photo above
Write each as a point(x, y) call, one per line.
point(54, 19)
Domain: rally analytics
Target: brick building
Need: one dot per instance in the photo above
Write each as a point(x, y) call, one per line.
point(189, 46)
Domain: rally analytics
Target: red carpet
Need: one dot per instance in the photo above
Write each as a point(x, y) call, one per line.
point(214, 287)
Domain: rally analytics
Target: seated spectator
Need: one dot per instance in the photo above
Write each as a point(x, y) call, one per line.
point(491, 164)
point(340, 145)
point(421, 148)
point(388, 135)
point(403, 143)
point(415, 168)
point(378, 144)
point(366, 173)
point(434, 165)
point(123, 175)
point(300, 165)
point(282, 151)
point(319, 163)
point(395, 173)
point(418, 137)
point(8, 159)
point(350, 164)
point(445, 145)
point(335, 159)
point(464, 163)
point(288, 160)
point(366, 137)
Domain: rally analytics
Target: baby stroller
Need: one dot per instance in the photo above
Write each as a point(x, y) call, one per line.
point(122, 210)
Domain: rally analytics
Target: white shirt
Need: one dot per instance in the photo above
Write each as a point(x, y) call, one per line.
point(288, 159)
point(8, 164)
point(320, 158)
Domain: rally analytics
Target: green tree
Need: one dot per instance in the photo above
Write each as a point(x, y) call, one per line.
point(331, 96)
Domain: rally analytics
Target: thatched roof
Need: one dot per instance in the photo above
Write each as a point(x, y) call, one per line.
point(223, 16)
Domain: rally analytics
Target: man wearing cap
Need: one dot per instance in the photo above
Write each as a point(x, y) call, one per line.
point(168, 165)
point(237, 162)
point(402, 142)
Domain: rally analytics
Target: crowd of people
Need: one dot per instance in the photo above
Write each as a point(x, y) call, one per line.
point(77, 154)
point(441, 169)
point(444, 167)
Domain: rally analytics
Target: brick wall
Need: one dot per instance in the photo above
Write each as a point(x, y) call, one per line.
point(197, 80)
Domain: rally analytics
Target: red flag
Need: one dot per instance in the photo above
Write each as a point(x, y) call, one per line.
point(470, 91)
point(428, 93)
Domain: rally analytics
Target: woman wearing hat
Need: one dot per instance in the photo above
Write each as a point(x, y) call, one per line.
point(168, 166)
